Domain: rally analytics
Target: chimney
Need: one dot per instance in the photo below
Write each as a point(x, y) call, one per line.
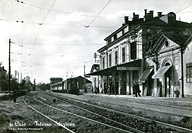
point(159, 14)
point(137, 16)
point(151, 13)
point(126, 18)
point(133, 14)
point(145, 11)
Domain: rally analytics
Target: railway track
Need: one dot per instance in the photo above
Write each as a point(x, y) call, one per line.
point(103, 118)
point(46, 116)
point(59, 110)
point(160, 126)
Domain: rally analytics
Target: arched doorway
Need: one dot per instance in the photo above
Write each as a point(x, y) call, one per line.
point(165, 78)
point(168, 81)
point(168, 78)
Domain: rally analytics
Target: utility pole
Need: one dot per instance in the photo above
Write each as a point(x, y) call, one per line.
point(9, 86)
point(21, 78)
point(84, 80)
point(84, 70)
point(34, 85)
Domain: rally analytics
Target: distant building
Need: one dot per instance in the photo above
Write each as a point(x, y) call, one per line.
point(53, 81)
point(59, 86)
point(129, 55)
point(95, 78)
point(80, 83)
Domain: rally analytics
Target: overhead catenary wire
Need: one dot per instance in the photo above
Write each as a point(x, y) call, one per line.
point(61, 44)
point(40, 23)
point(56, 44)
point(54, 10)
point(99, 13)
point(82, 33)
point(94, 19)
point(43, 22)
point(40, 27)
point(46, 23)
point(183, 7)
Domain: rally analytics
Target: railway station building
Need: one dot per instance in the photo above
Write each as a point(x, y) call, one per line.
point(148, 51)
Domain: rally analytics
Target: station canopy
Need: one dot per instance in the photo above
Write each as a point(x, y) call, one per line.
point(145, 74)
point(133, 65)
point(161, 72)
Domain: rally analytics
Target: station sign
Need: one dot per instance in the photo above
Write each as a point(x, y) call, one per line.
point(127, 68)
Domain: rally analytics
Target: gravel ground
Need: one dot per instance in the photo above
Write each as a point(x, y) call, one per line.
point(159, 108)
point(18, 118)
point(145, 126)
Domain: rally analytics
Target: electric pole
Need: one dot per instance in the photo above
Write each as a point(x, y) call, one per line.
point(9, 86)
point(85, 80)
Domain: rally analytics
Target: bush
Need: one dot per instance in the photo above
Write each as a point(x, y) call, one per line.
point(13, 95)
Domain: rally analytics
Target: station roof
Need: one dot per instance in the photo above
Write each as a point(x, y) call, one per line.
point(133, 65)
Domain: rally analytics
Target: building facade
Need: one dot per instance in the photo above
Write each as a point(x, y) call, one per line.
point(166, 78)
point(133, 54)
point(187, 67)
point(95, 79)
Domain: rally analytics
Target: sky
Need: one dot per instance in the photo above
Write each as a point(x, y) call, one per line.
point(57, 38)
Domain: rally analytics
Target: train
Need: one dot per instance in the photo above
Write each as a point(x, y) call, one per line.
point(74, 85)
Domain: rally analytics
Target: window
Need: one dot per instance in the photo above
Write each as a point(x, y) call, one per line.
point(109, 60)
point(123, 54)
point(107, 42)
point(126, 29)
point(119, 34)
point(133, 49)
point(116, 57)
point(112, 39)
point(166, 44)
point(189, 72)
point(103, 62)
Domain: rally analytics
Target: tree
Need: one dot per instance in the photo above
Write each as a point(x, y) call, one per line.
point(43, 86)
point(3, 79)
point(15, 85)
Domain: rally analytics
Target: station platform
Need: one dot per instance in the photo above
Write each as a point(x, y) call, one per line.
point(175, 109)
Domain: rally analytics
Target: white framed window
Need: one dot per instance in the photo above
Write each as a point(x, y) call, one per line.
point(189, 72)
point(123, 54)
point(116, 57)
point(110, 60)
point(112, 39)
point(126, 29)
point(103, 59)
point(119, 34)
